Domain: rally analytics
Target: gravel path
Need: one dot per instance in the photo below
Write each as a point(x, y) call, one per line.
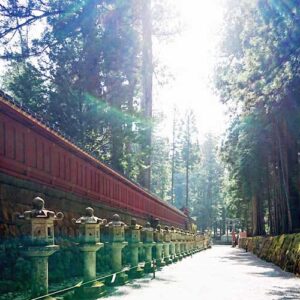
point(221, 273)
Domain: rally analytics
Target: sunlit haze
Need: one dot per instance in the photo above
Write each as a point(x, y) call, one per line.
point(189, 57)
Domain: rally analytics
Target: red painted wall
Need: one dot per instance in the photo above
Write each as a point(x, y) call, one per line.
point(30, 150)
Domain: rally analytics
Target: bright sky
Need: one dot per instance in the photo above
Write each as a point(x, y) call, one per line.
point(190, 58)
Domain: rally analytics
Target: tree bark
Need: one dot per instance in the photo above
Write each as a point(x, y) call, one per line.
point(147, 74)
point(187, 166)
point(173, 158)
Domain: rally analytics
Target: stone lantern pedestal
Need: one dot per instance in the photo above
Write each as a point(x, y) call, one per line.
point(167, 258)
point(177, 251)
point(116, 236)
point(89, 244)
point(182, 249)
point(195, 243)
point(148, 243)
point(188, 244)
point(182, 244)
point(158, 238)
point(133, 234)
point(39, 264)
point(185, 253)
point(159, 254)
point(38, 245)
point(173, 255)
point(178, 244)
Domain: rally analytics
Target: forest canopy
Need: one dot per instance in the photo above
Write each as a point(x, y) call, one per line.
point(257, 78)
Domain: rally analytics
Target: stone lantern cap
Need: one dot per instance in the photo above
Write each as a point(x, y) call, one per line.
point(147, 233)
point(167, 235)
point(133, 232)
point(156, 222)
point(39, 211)
point(173, 234)
point(181, 235)
point(158, 234)
point(89, 227)
point(116, 229)
point(116, 221)
point(89, 217)
point(147, 227)
point(134, 225)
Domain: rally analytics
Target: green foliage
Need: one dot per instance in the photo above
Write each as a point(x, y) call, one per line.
point(186, 156)
point(206, 187)
point(161, 168)
point(257, 78)
point(88, 82)
point(80, 65)
point(27, 82)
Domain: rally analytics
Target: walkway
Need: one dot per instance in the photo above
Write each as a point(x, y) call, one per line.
point(221, 273)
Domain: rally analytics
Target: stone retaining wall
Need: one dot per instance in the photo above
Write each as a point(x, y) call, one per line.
point(283, 250)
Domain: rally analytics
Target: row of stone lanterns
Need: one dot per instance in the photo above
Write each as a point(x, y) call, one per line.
point(168, 245)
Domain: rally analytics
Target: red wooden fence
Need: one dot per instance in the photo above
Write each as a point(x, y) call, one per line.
point(31, 150)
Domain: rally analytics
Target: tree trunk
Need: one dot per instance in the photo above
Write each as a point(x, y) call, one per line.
point(147, 73)
point(284, 177)
point(257, 216)
point(173, 158)
point(187, 165)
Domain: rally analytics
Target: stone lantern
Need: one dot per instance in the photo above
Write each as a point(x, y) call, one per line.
point(193, 242)
point(89, 244)
point(116, 242)
point(196, 242)
point(188, 243)
point(38, 227)
point(167, 242)
point(178, 244)
point(147, 238)
point(202, 242)
point(133, 235)
point(182, 243)
point(173, 244)
point(159, 240)
point(207, 241)
point(185, 243)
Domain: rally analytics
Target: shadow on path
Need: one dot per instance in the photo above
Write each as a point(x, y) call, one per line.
point(136, 284)
point(245, 258)
point(285, 293)
point(211, 275)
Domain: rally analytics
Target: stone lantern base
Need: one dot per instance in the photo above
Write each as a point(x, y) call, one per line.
point(93, 291)
point(168, 260)
point(160, 263)
point(159, 260)
point(116, 259)
point(136, 272)
point(118, 279)
point(184, 254)
point(175, 258)
point(148, 267)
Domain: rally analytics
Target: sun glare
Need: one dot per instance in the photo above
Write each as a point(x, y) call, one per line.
point(189, 58)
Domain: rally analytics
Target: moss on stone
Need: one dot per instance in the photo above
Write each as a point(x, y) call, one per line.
point(283, 250)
